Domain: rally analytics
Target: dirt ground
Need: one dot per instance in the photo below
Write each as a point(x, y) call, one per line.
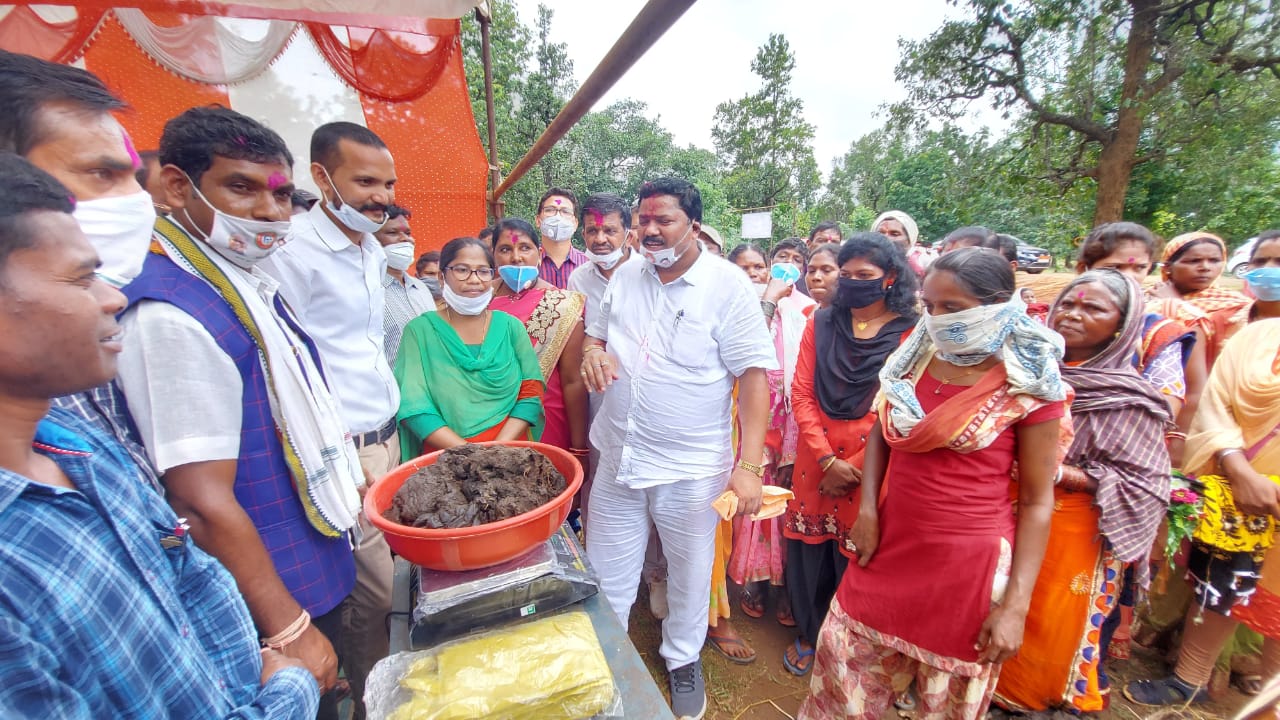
point(765, 690)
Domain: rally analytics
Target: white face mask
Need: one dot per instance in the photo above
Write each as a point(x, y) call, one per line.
point(970, 336)
point(606, 261)
point(349, 216)
point(399, 255)
point(240, 240)
point(464, 305)
point(668, 256)
point(119, 228)
point(557, 228)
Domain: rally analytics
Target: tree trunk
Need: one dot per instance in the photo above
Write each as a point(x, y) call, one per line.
point(1116, 162)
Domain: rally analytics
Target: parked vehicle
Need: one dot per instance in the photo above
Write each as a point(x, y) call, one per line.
point(1033, 259)
point(1238, 263)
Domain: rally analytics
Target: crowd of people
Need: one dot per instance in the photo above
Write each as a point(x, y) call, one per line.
point(207, 367)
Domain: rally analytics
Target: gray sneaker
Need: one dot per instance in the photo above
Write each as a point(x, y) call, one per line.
point(688, 691)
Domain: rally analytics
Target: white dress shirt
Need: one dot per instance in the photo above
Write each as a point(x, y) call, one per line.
point(335, 288)
point(589, 281)
point(679, 346)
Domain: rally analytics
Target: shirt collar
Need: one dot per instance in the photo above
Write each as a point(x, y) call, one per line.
point(51, 438)
point(330, 234)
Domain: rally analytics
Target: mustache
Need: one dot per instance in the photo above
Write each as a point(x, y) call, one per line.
point(373, 206)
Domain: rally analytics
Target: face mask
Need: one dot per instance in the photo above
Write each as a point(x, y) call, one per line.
point(1264, 283)
point(666, 257)
point(970, 336)
point(399, 255)
point(464, 305)
point(518, 277)
point(786, 272)
point(557, 228)
point(607, 261)
point(433, 284)
point(857, 294)
point(119, 228)
point(351, 217)
point(240, 240)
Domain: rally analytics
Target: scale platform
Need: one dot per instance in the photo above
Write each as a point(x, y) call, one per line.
point(447, 605)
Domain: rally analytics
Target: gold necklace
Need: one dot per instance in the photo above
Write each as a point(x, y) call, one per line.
point(947, 381)
point(861, 325)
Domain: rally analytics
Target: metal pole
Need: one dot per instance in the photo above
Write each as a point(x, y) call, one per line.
point(495, 174)
point(654, 19)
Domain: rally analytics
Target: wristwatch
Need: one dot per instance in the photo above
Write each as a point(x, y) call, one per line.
point(757, 470)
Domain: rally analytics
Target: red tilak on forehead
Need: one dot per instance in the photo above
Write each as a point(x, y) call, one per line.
point(1131, 260)
point(276, 180)
point(1080, 295)
point(557, 200)
point(133, 154)
point(598, 217)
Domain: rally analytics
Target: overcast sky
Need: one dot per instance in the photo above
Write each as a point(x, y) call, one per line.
point(845, 53)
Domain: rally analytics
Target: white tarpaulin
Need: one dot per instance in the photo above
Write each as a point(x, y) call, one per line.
point(757, 225)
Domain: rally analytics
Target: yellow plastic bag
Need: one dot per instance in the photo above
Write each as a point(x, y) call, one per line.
point(1223, 527)
point(544, 669)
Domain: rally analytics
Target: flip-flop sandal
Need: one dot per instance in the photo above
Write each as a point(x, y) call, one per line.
point(795, 668)
point(1163, 692)
point(752, 605)
point(718, 644)
point(1247, 684)
point(788, 620)
point(906, 702)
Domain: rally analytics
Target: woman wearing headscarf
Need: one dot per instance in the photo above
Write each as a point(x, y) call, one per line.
point(945, 571)
point(902, 231)
point(1235, 438)
point(837, 376)
point(1108, 503)
point(1191, 264)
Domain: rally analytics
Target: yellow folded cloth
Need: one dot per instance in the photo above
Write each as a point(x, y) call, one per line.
point(773, 502)
point(551, 668)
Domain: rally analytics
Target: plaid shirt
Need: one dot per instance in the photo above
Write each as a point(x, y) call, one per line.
point(106, 611)
point(559, 276)
point(104, 407)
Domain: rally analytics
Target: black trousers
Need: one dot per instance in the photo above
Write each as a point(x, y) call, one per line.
point(329, 625)
point(813, 573)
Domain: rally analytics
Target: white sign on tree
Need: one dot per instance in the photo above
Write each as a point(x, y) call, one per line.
point(757, 225)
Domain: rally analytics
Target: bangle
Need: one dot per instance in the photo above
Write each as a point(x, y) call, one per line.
point(754, 469)
point(1057, 479)
point(831, 460)
point(769, 308)
point(1224, 454)
point(579, 452)
point(1175, 435)
point(591, 347)
point(290, 634)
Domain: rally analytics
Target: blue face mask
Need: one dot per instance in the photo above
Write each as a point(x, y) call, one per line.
point(1264, 283)
point(518, 277)
point(786, 272)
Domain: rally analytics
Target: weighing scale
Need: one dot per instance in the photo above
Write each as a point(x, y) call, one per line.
point(548, 578)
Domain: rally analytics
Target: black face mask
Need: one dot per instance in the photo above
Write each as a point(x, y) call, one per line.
point(856, 294)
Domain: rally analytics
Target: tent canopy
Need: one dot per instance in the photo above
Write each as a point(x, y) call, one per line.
point(384, 14)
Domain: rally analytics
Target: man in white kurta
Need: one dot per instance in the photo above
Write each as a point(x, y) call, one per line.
point(672, 335)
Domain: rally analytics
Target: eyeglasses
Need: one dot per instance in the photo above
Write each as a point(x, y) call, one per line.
point(564, 211)
point(462, 272)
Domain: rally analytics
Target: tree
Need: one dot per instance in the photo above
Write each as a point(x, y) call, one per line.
point(763, 141)
point(1093, 74)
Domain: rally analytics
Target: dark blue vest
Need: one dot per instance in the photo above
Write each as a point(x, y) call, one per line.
point(318, 570)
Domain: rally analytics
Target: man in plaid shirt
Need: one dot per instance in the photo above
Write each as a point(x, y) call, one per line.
point(106, 607)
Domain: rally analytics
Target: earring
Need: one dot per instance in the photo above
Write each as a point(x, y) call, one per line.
point(1117, 333)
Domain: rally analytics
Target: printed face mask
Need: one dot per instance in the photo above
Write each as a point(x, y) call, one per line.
point(119, 228)
point(1264, 283)
point(518, 277)
point(606, 261)
point(970, 336)
point(786, 272)
point(349, 216)
point(557, 228)
point(668, 256)
point(243, 241)
point(857, 294)
point(464, 305)
point(399, 255)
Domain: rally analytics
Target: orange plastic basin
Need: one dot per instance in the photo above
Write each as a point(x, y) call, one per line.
point(480, 546)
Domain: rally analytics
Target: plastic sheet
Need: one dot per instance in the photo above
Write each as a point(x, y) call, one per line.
point(547, 669)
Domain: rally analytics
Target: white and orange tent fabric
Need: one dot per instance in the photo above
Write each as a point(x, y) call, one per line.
point(394, 66)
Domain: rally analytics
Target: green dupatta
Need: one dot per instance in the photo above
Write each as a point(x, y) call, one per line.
point(444, 383)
